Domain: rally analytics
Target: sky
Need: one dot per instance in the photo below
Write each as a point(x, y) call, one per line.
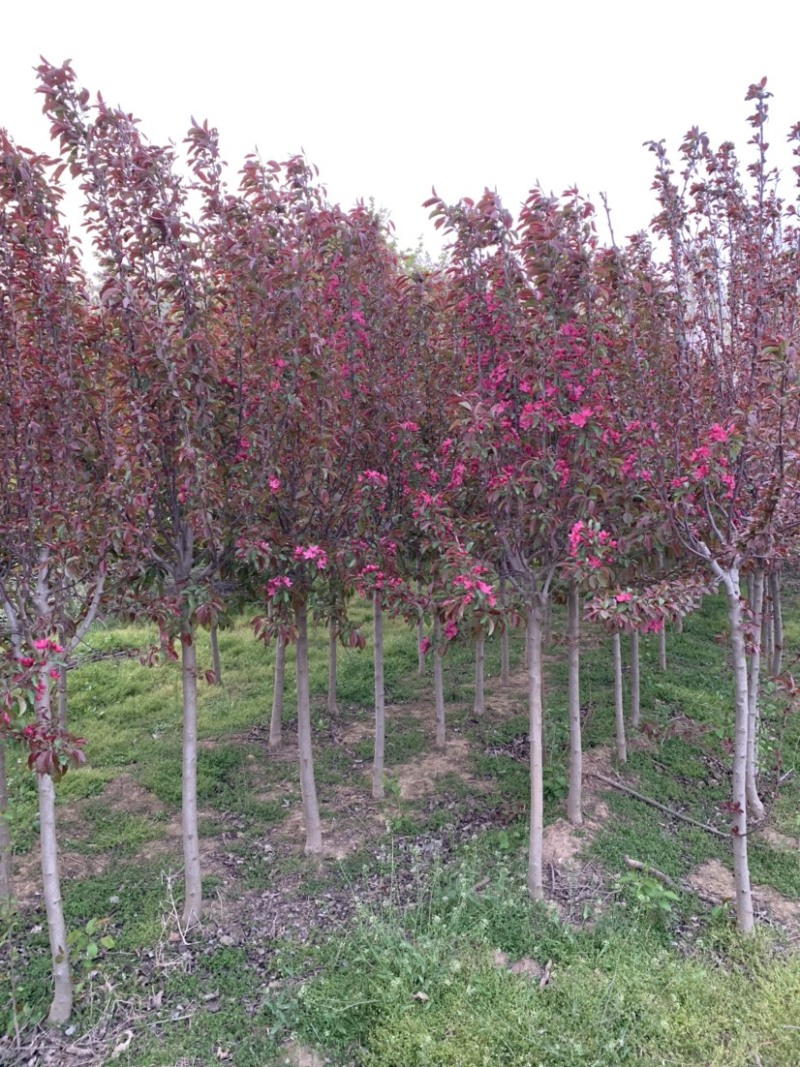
point(392, 99)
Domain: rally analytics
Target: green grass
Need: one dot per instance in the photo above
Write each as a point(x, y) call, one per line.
point(410, 975)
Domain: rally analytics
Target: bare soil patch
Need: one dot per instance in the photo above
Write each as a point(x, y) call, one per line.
point(417, 778)
point(713, 882)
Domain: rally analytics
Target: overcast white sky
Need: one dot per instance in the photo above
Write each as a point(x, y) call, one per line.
point(391, 99)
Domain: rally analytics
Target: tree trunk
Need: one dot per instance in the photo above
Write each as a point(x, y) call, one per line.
point(216, 664)
point(741, 870)
point(756, 607)
point(662, 633)
point(547, 624)
point(62, 696)
point(277, 693)
point(380, 706)
point(534, 640)
point(619, 710)
point(332, 641)
point(574, 797)
point(777, 623)
point(61, 1006)
point(479, 705)
point(420, 638)
point(505, 666)
point(767, 631)
point(635, 686)
point(308, 786)
point(438, 683)
point(192, 904)
point(6, 883)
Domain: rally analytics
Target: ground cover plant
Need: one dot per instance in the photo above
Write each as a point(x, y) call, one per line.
point(414, 940)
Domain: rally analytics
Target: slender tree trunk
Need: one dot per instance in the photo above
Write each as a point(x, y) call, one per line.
point(767, 630)
point(192, 904)
point(505, 663)
point(332, 642)
point(505, 659)
point(547, 624)
point(216, 664)
point(741, 869)
point(479, 705)
point(777, 623)
point(308, 786)
point(619, 709)
point(6, 882)
point(380, 699)
point(61, 1006)
point(662, 633)
point(277, 693)
point(756, 606)
point(62, 695)
point(535, 714)
point(679, 625)
point(574, 797)
point(438, 683)
point(420, 638)
point(635, 686)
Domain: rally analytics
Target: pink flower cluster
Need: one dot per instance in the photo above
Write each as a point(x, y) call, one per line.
point(47, 644)
point(472, 584)
point(312, 554)
point(274, 585)
point(590, 537)
point(580, 418)
point(374, 478)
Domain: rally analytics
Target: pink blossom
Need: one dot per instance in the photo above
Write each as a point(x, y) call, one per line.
point(425, 645)
point(719, 433)
point(450, 630)
point(274, 484)
point(374, 478)
point(580, 418)
point(274, 585)
point(575, 537)
point(312, 553)
point(623, 597)
point(593, 561)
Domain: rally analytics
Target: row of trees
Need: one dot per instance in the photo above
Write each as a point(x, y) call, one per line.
point(261, 401)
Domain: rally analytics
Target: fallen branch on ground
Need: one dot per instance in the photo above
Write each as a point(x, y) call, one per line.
point(653, 872)
point(661, 807)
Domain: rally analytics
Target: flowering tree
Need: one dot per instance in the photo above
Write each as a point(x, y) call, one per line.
point(58, 505)
point(718, 324)
point(536, 346)
point(177, 439)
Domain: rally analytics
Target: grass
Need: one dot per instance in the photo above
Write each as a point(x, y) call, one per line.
point(390, 956)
